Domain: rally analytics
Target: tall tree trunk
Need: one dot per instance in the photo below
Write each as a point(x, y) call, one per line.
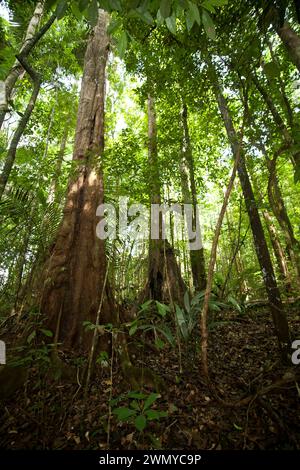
point(32, 36)
point(188, 187)
point(287, 137)
point(278, 251)
point(164, 279)
point(11, 154)
point(278, 207)
point(261, 247)
point(291, 41)
point(75, 277)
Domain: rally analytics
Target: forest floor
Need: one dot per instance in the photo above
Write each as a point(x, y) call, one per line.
point(252, 402)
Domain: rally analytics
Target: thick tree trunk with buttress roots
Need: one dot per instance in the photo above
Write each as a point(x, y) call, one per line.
point(76, 272)
point(261, 247)
point(164, 279)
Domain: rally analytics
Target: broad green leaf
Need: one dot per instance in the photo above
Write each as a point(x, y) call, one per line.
point(171, 24)
point(47, 333)
point(31, 336)
point(92, 13)
point(218, 3)
point(195, 12)
point(190, 20)
point(61, 9)
point(208, 25)
point(165, 8)
point(122, 44)
point(140, 423)
point(151, 399)
point(154, 414)
point(115, 5)
point(124, 413)
point(113, 26)
point(162, 309)
point(186, 300)
point(166, 332)
point(133, 328)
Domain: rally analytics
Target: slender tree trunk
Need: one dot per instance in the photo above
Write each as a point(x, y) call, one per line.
point(11, 154)
point(291, 41)
point(287, 137)
point(278, 251)
point(188, 187)
point(261, 247)
point(278, 207)
point(75, 277)
point(31, 38)
point(164, 279)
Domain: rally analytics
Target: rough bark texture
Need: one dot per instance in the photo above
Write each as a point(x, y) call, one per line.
point(75, 275)
point(164, 279)
point(291, 41)
point(188, 187)
point(261, 247)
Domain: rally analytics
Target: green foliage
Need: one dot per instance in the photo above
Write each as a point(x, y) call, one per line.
point(152, 317)
point(141, 409)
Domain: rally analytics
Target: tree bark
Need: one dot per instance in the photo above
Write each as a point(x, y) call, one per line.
point(11, 154)
point(261, 247)
point(287, 137)
point(30, 40)
point(278, 251)
point(75, 277)
point(188, 187)
point(291, 41)
point(164, 279)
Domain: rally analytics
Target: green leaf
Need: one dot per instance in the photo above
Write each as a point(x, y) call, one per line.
point(194, 12)
point(124, 413)
point(159, 18)
point(165, 8)
point(92, 13)
point(151, 399)
point(162, 308)
point(122, 44)
point(113, 26)
point(159, 343)
point(140, 423)
point(297, 174)
point(61, 9)
point(154, 414)
point(208, 5)
point(115, 5)
point(208, 24)
point(171, 24)
point(133, 328)
point(167, 333)
point(218, 3)
point(190, 20)
point(272, 70)
point(31, 336)
point(47, 333)
point(186, 300)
